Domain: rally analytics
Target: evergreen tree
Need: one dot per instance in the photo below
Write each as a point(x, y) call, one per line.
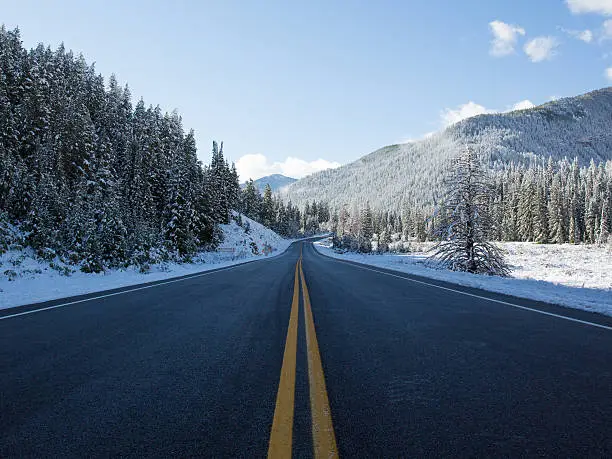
point(557, 229)
point(527, 208)
point(267, 208)
point(606, 216)
point(366, 230)
point(251, 198)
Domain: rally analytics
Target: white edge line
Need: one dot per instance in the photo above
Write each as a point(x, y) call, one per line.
point(135, 289)
point(571, 319)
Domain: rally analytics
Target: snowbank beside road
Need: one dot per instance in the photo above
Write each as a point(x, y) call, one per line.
point(25, 279)
point(576, 276)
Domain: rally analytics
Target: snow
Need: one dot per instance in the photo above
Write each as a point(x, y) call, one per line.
point(25, 279)
point(575, 276)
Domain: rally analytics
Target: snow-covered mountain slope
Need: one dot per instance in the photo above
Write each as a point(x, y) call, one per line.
point(25, 279)
point(412, 172)
point(250, 239)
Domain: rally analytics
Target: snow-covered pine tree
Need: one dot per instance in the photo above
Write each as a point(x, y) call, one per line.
point(463, 232)
point(557, 229)
point(45, 216)
point(343, 221)
point(527, 207)
point(540, 215)
point(366, 230)
point(140, 215)
point(267, 208)
point(251, 200)
point(335, 221)
point(591, 220)
point(576, 204)
point(384, 239)
point(233, 191)
point(224, 184)
point(606, 216)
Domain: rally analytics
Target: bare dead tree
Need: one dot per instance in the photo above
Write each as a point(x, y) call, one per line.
point(463, 222)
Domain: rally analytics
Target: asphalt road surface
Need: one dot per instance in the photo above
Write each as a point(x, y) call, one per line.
point(304, 356)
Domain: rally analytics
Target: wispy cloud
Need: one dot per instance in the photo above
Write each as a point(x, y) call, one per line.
point(586, 36)
point(608, 74)
point(450, 116)
point(522, 105)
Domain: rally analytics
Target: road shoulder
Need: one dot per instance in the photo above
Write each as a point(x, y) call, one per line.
point(500, 298)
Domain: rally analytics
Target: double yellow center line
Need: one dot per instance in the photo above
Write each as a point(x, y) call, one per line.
point(282, 425)
point(281, 436)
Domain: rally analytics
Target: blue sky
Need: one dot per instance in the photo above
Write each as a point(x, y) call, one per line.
point(297, 86)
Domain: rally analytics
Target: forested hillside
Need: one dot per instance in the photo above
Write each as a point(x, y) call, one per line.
point(410, 174)
point(86, 175)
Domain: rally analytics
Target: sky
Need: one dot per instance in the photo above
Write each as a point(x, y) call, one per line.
point(296, 87)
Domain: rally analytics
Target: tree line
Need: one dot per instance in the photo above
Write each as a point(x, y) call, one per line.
point(551, 202)
point(285, 219)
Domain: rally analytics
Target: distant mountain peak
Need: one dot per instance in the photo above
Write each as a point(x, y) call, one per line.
point(277, 177)
point(276, 182)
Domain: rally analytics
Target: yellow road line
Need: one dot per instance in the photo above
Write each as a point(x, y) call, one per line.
point(282, 426)
point(323, 436)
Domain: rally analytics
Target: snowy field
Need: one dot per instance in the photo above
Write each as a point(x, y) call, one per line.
point(576, 276)
point(25, 279)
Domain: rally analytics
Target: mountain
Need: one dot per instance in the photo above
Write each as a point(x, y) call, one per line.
point(412, 172)
point(276, 181)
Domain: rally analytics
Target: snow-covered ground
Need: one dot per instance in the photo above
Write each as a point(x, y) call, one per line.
point(576, 276)
point(25, 279)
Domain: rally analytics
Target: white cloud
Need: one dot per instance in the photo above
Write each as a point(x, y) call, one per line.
point(522, 105)
point(505, 37)
point(590, 6)
point(541, 48)
point(257, 165)
point(609, 74)
point(451, 116)
point(586, 36)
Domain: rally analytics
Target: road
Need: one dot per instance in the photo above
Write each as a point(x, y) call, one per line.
point(238, 363)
